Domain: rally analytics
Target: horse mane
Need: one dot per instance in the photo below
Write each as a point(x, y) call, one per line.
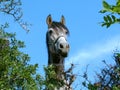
point(58, 25)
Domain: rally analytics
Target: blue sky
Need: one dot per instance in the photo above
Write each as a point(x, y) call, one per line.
point(89, 42)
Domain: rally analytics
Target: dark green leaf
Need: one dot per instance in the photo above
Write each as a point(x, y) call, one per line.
point(106, 5)
point(104, 24)
point(103, 11)
point(105, 19)
point(109, 19)
point(108, 25)
point(118, 20)
point(114, 18)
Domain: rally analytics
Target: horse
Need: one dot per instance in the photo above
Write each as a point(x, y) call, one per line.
point(57, 46)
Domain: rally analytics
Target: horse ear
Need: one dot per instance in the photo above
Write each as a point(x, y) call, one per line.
point(63, 20)
point(49, 20)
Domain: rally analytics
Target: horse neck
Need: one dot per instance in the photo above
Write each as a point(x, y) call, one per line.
point(57, 61)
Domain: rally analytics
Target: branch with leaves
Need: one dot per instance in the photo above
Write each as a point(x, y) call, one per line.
point(13, 8)
point(113, 12)
point(108, 78)
point(53, 81)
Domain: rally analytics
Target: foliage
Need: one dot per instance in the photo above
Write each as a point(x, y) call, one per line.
point(13, 8)
point(108, 79)
point(15, 72)
point(52, 80)
point(113, 11)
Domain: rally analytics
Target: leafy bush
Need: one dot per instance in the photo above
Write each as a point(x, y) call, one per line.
point(15, 72)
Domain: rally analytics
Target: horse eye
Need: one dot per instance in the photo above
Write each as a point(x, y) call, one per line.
point(50, 31)
point(66, 32)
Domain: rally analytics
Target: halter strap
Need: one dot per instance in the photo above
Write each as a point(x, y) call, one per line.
point(55, 40)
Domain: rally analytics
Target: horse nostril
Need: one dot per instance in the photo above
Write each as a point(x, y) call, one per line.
point(61, 46)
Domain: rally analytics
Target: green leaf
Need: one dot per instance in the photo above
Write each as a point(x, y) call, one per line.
point(116, 9)
point(109, 19)
point(118, 3)
point(103, 11)
point(105, 19)
point(114, 18)
point(118, 20)
point(103, 24)
point(108, 25)
point(106, 5)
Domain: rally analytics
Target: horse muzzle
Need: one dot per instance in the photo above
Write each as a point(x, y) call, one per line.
point(63, 49)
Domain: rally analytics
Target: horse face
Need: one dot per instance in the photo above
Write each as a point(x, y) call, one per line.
point(57, 37)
